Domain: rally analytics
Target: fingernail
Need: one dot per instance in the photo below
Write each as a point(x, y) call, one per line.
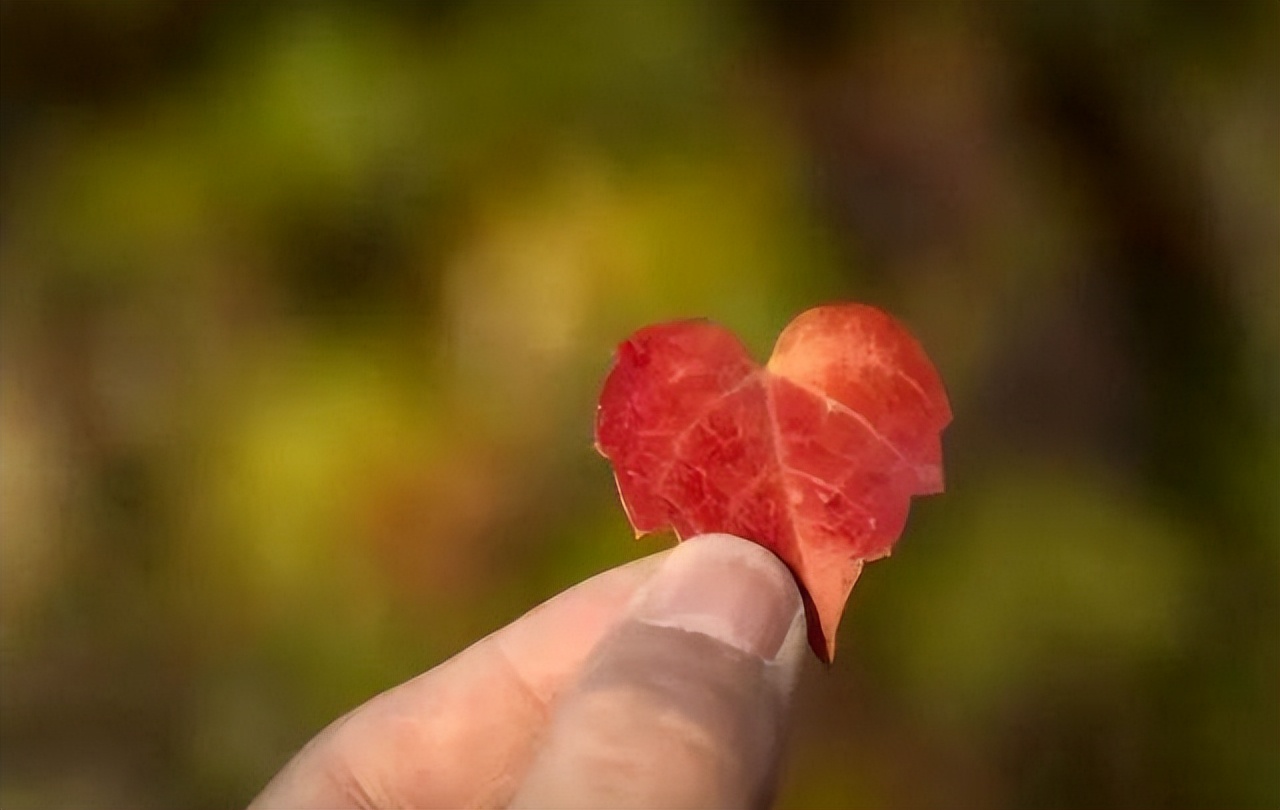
point(724, 587)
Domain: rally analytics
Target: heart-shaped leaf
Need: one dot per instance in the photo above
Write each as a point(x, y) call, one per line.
point(815, 456)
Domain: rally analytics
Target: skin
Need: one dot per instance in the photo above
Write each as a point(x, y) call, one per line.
point(662, 683)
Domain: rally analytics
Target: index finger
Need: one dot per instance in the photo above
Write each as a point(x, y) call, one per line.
point(463, 733)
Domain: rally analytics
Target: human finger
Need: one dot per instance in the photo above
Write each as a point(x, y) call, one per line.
point(684, 703)
point(461, 734)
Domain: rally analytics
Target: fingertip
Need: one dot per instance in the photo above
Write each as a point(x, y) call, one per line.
point(722, 586)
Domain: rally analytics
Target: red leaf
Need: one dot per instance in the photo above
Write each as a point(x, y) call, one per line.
point(815, 456)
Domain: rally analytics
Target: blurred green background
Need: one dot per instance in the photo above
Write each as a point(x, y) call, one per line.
point(305, 306)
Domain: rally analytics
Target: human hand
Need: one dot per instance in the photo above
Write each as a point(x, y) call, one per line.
point(662, 683)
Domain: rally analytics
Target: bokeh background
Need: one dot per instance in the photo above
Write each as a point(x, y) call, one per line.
point(305, 306)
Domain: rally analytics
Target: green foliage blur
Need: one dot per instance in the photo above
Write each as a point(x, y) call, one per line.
point(304, 306)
